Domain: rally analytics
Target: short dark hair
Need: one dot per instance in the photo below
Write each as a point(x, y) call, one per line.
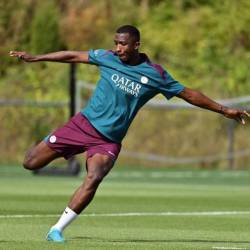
point(132, 30)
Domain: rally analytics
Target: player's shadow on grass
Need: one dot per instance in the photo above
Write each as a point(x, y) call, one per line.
point(159, 241)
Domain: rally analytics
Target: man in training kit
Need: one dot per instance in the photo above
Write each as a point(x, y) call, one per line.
point(128, 80)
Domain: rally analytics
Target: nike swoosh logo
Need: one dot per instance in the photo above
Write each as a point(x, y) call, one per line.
point(111, 153)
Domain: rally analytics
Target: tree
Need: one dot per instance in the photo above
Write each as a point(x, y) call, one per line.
point(44, 35)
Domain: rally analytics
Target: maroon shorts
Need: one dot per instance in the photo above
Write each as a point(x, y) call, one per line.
point(78, 136)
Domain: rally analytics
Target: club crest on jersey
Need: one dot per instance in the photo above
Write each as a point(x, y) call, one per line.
point(144, 80)
point(126, 84)
point(52, 139)
point(96, 52)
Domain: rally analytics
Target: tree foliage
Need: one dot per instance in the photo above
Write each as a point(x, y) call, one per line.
point(204, 44)
point(44, 30)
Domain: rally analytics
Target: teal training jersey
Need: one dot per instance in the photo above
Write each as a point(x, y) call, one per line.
point(122, 90)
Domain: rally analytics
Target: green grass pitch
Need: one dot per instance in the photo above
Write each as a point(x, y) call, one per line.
point(134, 208)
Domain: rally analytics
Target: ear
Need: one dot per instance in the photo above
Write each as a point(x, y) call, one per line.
point(137, 45)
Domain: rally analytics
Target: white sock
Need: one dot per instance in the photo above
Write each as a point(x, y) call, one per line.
point(66, 218)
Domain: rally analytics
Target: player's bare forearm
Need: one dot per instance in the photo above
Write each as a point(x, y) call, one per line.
point(198, 99)
point(60, 56)
point(64, 56)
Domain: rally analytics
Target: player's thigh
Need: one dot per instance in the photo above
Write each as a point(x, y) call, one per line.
point(39, 156)
point(99, 165)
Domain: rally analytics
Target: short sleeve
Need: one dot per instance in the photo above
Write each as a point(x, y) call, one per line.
point(170, 87)
point(96, 56)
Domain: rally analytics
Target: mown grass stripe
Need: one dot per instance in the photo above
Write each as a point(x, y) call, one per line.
point(205, 213)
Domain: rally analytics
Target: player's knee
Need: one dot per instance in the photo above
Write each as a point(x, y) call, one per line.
point(94, 178)
point(30, 163)
point(27, 164)
point(98, 167)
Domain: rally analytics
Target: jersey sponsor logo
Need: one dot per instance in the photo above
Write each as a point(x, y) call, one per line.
point(126, 84)
point(52, 139)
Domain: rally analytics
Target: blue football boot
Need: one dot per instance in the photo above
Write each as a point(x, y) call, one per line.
point(55, 235)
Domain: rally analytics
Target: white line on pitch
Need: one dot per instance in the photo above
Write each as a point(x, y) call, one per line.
point(205, 213)
point(229, 248)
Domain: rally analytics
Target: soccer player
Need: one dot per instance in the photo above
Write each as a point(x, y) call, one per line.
point(128, 80)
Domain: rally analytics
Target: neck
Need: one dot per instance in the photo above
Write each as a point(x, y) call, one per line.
point(135, 60)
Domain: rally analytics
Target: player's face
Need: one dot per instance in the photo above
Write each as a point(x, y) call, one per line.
point(125, 46)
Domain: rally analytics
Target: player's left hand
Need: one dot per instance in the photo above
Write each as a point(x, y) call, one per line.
point(236, 114)
point(22, 55)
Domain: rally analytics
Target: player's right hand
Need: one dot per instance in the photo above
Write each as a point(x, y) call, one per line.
point(236, 114)
point(22, 55)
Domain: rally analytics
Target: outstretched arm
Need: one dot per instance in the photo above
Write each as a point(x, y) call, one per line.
point(60, 56)
point(198, 99)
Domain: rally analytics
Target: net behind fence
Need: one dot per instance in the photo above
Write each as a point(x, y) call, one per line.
point(163, 133)
point(23, 125)
point(177, 133)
